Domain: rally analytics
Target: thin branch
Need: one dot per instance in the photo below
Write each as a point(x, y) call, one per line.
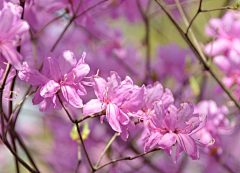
point(195, 51)
point(218, 9)
point(14, 110)
point(21, 105)
point(203, 11)
point(66, 27)
point(90, 116)
point(1, 97)
point(10, 106)
point(91, 8)
point(79, 156)
point(22, 144)
point(64, 107)
point(197, 46)
point(19, 159)
point(43, 28)
point(128, 158)
point(195, 16)
point(107, 147)
point(84, 148)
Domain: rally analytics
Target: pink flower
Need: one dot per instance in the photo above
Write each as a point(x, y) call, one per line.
point(226, 33)
point(172, 125)
point(59, 74)
point(152, 95)
point(217, 123)
point(119, 98)
point(12, 30)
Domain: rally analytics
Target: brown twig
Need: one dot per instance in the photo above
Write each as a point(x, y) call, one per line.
point(2, 86)
point(43, 28)
point(90, 116)
point(14, 110)
point(22, 144)
point(204, 11)
point(127, 158)
point(19, 159)
point(10, 106)
point(84, 148)
point(64, 107)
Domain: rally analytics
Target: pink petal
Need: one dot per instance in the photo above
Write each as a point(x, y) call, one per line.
point(54, 68)
point(37, 97)
point(71, 96)
point(112, 113)
point(124, 135)
point(81, 89)
point(49, 89)
point(32, 76)
point(218, 46)
point(67, 61)
point(123, 118)
point(11, 75)
point(223, 63)
point(134, 103)
point(184, 114)
point(11, 55)
point(81, 69)
point(19, 28)
point(189, 146)
point(93, 106)
point(153, 93)
point(167, 98)
point(171, 118)
point(167, 141)
point(6, 19)
point(179, 151)
point(113, 82)
point(99, 86)
point(215, 24)
point(152, 140)
point(157, 120)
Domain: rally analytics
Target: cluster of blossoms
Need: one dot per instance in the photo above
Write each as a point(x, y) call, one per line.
point(225, 33)
point(43, 42)
point(122, 101)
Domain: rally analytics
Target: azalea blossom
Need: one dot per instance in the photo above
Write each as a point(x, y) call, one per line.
point(119, 98)
point(225, 32)
point(170, 126)
point(12, 30)
point(63, 74)
point(154, 93)
point(217, 124)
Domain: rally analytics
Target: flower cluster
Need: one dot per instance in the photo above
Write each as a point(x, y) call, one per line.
point(120, 81)
point(63, 74)
point(225, 33)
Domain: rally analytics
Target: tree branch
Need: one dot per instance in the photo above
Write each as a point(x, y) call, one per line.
point(128, 158)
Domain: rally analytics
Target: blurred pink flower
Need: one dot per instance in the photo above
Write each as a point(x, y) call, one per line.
point(217, 123)
point(12, 30)
point(225, 32)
